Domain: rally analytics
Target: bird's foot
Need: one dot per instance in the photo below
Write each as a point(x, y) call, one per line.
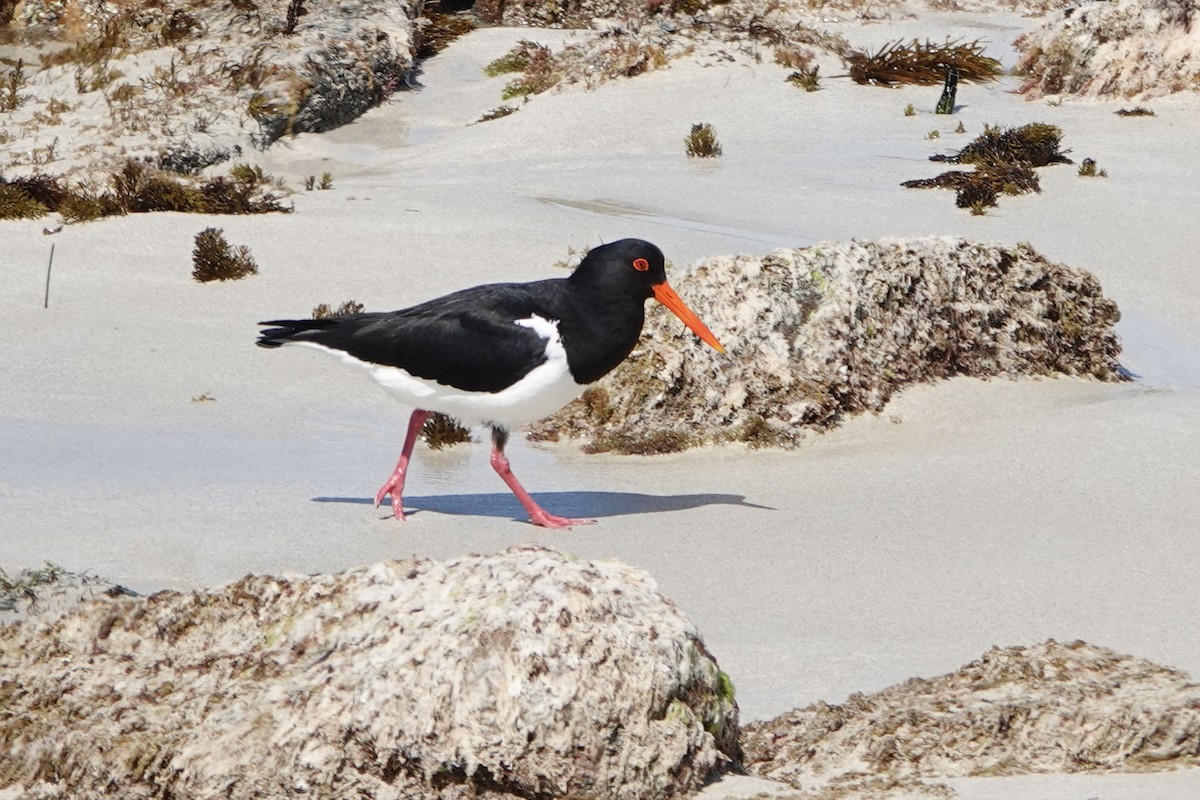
point(547, 520)
point(394, 487)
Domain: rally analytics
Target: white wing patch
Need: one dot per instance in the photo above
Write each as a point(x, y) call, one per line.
point(544, 389)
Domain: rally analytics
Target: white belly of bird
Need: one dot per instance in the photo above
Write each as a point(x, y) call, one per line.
point(542, 391)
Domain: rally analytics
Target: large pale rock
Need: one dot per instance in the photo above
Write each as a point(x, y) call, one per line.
point(1126, 48)
point(524, 673)
point(816, 333)
point(190, 83)
point(1049, 708)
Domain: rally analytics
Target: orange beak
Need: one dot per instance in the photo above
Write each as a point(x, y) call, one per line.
point(666, 295)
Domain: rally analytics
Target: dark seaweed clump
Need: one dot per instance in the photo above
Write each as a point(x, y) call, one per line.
point(441, 431)
point(1004, 161)
point(214, 259)
point(921, 63)
point(135, 188)
point(1036, 144)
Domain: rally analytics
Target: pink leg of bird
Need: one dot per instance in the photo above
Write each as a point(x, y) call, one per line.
point(395, 484)
point(537, 514)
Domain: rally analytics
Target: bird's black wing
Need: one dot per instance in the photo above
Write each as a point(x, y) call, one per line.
point(468, 340)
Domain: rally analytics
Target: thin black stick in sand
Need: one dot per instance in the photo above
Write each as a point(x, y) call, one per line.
point(46, 303)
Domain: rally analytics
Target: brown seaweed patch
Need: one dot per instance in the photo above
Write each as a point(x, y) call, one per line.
point(137, 188)
point(651, 443)
point(1036, 144)
point(214, 259)
point(441, 431)
point(921, 63)
point(1004, 160)
point(982, 185)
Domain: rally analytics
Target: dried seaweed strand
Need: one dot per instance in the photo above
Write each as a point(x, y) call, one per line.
point(921, 63)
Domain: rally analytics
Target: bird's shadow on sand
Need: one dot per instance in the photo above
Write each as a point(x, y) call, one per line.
point(592, 505)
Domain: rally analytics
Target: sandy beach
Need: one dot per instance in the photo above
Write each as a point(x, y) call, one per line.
point(967, 514)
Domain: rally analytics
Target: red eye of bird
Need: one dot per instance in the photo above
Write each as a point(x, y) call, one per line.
point(641, 264)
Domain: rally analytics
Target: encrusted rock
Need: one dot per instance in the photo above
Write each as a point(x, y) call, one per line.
point(188, 82)
point(522, 674)
point(1127, 48)
point(817, 333)
point(1048, 708)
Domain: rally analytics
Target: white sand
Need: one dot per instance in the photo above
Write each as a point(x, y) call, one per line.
point(968, 514)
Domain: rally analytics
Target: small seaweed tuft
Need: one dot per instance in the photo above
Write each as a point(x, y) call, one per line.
point(247, 173)
point(137, 188)
point(1136, 111)
point(702, 142)
point(242, 192)
point(346, 309)
point(806, 79)
point(514, 60)
point(15, 203)
point(1088, 169)
point(85, 204)
point(793, 56)
point(326, 183)
point(213, 259)
point(10, 87)
point(441, 431)
point(497, 113)
point(537, 66)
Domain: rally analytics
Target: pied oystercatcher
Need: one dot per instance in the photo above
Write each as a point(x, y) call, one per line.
point(504, 354)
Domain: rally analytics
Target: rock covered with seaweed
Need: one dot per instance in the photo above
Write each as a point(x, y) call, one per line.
point(1129, 48)
point(523, 673)
point(187, 84)
point(817, 333)
point(1049, 708)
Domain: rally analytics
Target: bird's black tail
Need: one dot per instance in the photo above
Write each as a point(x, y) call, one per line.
point(290, 330)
